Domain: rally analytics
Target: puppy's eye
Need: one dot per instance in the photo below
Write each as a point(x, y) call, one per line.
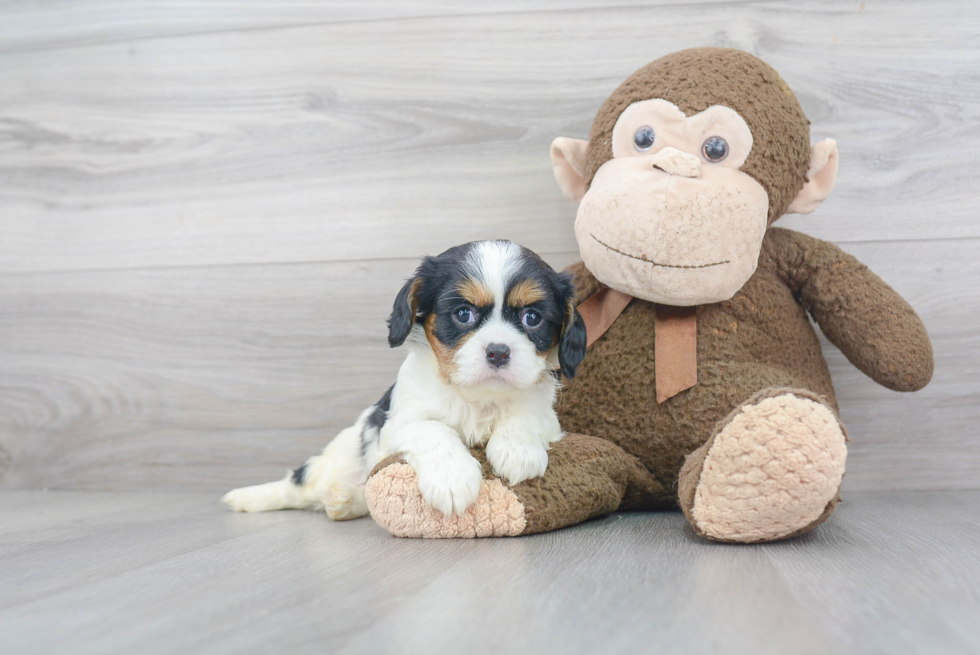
point(714, 149)
point(643, 139)
point(530, 319)
point(464, 316)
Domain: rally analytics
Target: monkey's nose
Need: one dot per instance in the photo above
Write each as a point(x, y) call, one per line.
point(676, 162)
point(498, 354)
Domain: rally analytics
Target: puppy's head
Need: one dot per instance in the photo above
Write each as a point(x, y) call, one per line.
point(491, 311)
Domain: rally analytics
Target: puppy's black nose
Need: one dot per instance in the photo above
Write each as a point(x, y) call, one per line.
point(498, 354)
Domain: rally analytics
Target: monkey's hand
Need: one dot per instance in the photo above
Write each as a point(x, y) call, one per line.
point(875, 328)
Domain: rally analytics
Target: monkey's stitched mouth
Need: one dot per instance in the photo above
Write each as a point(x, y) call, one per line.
point(648, 261)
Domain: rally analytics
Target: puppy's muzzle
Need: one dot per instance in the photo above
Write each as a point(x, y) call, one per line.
point(498, 354)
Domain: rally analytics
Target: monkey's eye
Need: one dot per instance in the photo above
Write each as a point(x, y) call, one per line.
point(530, 319)
point(643, 139)
point(714, 149)
point(464, 316)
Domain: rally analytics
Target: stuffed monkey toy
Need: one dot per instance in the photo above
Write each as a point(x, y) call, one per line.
point(705, 388)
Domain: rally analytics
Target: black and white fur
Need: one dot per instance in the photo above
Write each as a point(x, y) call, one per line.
point(480, 370)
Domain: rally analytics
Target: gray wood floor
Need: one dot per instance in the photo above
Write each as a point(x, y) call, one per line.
point(102, 572)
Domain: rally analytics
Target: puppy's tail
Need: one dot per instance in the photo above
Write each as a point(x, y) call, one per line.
point(284, 494)
point(333, 481)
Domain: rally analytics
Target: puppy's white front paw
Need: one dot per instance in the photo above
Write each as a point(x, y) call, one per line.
point(449, 484)
point(516, 461)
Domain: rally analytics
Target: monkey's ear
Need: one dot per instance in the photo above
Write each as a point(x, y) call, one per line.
point(568, 160)
point(403, 312)
point(820, 178)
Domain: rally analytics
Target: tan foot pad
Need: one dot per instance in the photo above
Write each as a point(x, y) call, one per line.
point(771, 471)
point(396, 504)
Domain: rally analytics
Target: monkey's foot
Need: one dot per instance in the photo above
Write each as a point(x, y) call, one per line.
point(396, 504)
point(772, 470)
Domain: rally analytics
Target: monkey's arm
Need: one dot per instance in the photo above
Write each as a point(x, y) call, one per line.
point(875, 328)
point(585, 283)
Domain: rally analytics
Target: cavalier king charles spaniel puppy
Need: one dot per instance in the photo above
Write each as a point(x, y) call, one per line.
point(489, 327)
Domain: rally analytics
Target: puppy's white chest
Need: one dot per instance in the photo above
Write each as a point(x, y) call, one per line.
point(477, 422)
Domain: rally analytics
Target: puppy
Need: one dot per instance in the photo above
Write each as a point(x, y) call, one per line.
point(489, 326)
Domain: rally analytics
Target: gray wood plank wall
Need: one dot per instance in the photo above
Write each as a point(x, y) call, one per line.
point(207, 208)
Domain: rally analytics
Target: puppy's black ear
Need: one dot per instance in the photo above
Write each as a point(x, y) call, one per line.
point(571, 348)
point(403, 313)
point(572, 343)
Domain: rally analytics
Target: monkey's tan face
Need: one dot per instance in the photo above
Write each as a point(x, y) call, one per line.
point(671, 218)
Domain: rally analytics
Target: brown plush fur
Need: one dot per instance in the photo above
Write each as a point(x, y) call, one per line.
point(759, 339)
point(701, 77)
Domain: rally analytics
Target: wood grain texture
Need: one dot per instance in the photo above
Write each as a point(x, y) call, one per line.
point(30, 26)
point(91, 572)
point(351, 139)
point(207, 208)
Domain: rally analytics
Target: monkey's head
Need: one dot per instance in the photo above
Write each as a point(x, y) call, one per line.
point(688, 163)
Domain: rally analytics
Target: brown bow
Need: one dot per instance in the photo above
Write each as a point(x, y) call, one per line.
point(675, 338)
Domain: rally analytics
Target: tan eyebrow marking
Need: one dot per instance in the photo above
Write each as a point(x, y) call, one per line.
point(525, 292)
point(475, 293)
